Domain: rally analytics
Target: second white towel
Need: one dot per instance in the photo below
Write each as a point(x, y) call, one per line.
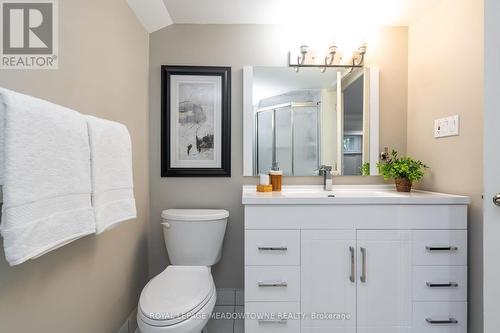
point(111, 166)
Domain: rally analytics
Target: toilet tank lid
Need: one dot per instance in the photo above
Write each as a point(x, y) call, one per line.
point(194, 214)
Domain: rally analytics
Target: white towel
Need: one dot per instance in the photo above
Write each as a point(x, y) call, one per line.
point(2, 138)
point(47, 181)
point(112, 181)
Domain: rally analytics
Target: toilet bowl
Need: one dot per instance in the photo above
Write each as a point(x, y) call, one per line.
point(182, 297)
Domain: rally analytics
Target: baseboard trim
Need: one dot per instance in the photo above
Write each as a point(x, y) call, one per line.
point(130, 324)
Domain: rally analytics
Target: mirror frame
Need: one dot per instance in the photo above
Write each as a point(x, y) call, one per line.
point(372, 73)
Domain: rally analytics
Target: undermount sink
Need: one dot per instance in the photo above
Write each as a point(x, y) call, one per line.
point(336, 193)
point(347, 195)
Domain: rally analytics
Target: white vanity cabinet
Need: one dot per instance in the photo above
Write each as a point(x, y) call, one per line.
point(396, 265)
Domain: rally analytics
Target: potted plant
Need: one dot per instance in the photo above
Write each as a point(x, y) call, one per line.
point(404, 170)
point(365, 169)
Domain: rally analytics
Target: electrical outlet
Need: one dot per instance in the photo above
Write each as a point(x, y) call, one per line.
point(449, 126)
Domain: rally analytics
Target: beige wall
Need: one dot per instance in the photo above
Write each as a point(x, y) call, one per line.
point(92, 284)
point(237, 46)
point(389, 51)
point(445, 77)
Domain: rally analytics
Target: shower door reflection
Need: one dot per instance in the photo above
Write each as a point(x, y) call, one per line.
point(288, 135)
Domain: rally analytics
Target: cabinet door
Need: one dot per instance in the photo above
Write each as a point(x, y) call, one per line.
point(328, 281)
point(384, 281)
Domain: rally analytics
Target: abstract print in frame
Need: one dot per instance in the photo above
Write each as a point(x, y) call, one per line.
point(195, 125)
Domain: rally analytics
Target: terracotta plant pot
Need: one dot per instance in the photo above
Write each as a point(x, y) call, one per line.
point(403, 185)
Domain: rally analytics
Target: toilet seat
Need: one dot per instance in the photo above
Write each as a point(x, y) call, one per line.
point(175, 295)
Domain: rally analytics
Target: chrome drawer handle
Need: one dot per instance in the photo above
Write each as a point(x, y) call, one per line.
point(441, 321)
point(272, 284)
point(362, 278)
point(442, 285)
point(352, 278)
point(272, 248)
point(272, 321)
point(441, 248)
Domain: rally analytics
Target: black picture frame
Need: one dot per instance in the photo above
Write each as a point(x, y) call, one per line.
point(166, 89)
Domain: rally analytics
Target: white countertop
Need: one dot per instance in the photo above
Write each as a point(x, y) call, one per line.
point(348, 195)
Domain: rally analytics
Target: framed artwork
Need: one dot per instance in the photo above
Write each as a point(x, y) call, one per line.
point(195, 121)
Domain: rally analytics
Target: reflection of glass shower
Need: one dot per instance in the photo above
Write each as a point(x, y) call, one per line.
point(288, 134)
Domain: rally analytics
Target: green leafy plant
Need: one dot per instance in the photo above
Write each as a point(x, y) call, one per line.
point(365, 169)
point(401, 167)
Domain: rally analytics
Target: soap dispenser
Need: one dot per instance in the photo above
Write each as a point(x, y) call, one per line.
point(276, 176)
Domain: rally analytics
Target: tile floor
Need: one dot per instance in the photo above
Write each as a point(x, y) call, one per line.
point(229, 302)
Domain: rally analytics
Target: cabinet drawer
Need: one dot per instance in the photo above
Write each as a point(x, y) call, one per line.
point(272, 283)
point(272, 247)
point(446, 283)
point(439, 317)
point(439, 247)
point(272, 317)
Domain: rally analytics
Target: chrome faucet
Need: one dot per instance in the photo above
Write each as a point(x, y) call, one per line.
point(326, 172)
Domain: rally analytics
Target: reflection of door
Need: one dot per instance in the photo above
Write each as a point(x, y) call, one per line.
point(340, 123)
point(328, 127)
point(491, 165)
point(353, 123)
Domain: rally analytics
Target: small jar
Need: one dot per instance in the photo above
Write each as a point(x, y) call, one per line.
point(264, 179)
point(276, 179)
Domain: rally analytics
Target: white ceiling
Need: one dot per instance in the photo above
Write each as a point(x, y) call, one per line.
point(156, 14)
point(153, 14)
point(376, 12)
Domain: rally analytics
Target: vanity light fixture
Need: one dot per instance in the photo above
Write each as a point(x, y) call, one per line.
point(301, 58)
point(332, 50)
point(303, 52)
point(358, 57)
point(308, 58)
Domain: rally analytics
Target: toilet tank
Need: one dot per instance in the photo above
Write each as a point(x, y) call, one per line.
point(194, 236)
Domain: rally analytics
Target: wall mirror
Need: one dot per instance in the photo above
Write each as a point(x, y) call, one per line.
point(303, 120)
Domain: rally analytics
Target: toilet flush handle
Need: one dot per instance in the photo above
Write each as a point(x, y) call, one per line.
point(166, 224)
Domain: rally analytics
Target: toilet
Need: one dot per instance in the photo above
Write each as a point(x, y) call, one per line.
point(182, 297)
